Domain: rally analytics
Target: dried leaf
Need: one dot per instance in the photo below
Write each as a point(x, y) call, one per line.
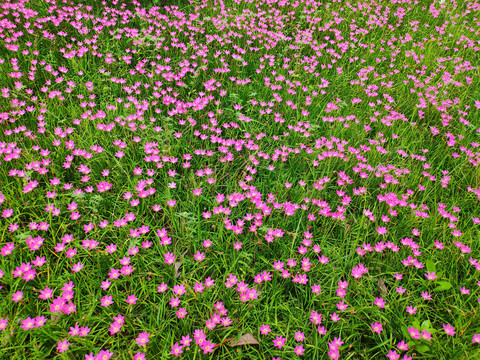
point(382, 286)
point(177, 266)
point(347, 228)
point(247, 339)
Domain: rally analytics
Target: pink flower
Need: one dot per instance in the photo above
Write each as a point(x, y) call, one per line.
point(426, 335)
point(131, 299)
point(449, 329)
point(402, 345)
point(381, 230)
point(169, 258)
point(377, 327)
point(16, 297)
point(3, 324)
point(264, 329)
point(379, 302)
point(106, 301)
point(393, 355)
point(207, 347)
point(28, 323)
point(6, 213)
point(162, 288)
point(430, 276)
point(63, 346)
point(414, 333)
point(299, 336)
point(279, 341)
point(321, 330)
point(176, 349)
point(299, 350)
point(142, 338)
point(315, 317)
point(181, 313)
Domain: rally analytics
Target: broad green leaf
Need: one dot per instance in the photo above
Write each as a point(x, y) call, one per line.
point(443, 285)
point(426, 324)
point(422, 348)
point(430, 266)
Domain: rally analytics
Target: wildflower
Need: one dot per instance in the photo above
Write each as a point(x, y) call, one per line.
point(28, 323)
point(169, 258)
point(62, 346)
point(414, 333)
point(335, 317)
point(3, 323)
point(426, 335)
point(131, 299)
point(17, 296)
point(411, 310)
point(449, 329)
point(299, 350)
point(186, 340)
point(379, 302)
point(299, 336)
point(176, 349)
point(162, 288)
point(315, 317)
point(106, 301)
point(142, 338)
point(279, 341)
point(426, 295)
point(264, 329)
point(377, 327)
point(393, 355)
point(181, 313)
point(321, 330)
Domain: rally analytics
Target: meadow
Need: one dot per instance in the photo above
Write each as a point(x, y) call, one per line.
point(239, 179)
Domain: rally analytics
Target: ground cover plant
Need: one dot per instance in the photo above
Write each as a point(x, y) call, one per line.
point(271, 179)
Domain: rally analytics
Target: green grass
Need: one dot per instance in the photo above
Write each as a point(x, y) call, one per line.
point(195, 126)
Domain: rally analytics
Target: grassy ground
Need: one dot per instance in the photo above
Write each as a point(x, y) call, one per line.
point(175, 176)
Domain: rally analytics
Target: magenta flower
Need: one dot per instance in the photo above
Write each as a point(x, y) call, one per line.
point(264, 329)
point(279, 341)
point(449, 329)
point(176, 349)
point(142, 338)
point(106, 301)
point(430, 276)
point(299, 350)
point(379, 302)
point(17, 296)
point(6, 213)
point(414, 333)
point(62, 346)
point(377, 327)
point(207, 347)
point(131, 299)
point(169, 258)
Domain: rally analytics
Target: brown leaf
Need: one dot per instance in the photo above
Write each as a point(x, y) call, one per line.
point(246, 339)
point(382, 286)
point(347, 228)
point(177, 266)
